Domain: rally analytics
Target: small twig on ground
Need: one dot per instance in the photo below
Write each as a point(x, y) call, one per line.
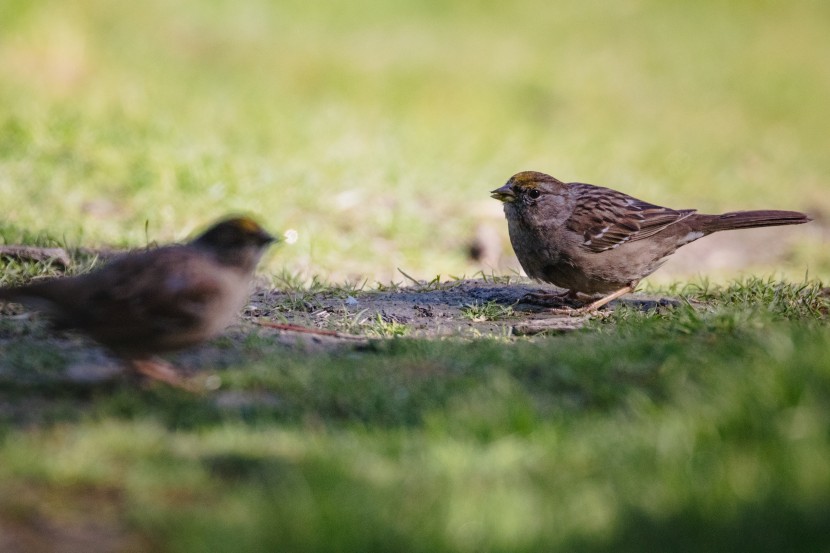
point(307, 330)
point(57, 256)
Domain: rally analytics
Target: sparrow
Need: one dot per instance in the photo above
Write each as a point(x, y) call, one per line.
point(158, 300)
point(594, 240)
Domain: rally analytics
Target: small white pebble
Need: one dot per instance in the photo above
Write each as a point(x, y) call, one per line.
point(291, 236)
point(213, 382)
point(350, 300)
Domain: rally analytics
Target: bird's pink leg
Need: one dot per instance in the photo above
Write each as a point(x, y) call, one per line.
point(162, 371)
point(595, 305)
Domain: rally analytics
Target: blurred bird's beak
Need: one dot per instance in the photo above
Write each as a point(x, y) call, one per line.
point(265, 238)
point(504, 194)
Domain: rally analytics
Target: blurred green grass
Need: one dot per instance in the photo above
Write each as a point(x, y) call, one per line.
point(691, 430)
point(376, 129)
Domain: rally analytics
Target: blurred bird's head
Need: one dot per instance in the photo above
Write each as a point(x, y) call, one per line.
point(236, 241)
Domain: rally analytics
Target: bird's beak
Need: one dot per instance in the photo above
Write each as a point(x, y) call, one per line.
point(266, 238)
point(504, 194)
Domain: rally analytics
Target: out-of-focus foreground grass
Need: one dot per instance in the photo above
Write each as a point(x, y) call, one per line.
point(699, 429)
point(376, 128)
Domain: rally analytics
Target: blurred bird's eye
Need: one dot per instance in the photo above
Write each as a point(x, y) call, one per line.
point(534, 194)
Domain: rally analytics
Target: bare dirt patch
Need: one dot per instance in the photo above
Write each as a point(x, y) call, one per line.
point(31, 355)
point(463, 308)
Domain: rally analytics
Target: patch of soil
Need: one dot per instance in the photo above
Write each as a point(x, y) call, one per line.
point(32, 357)
point(463, 308)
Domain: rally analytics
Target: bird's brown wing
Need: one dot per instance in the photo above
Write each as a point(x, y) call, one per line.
point(148, 295)
point(140, 300)
point(606, 218)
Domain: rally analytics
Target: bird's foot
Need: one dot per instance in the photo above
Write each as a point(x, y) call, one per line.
point(162, 371)
point(594, 306)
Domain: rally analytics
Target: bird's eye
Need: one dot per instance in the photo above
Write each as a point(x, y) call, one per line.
point(534, 194)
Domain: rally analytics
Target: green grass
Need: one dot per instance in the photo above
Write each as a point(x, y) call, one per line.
point(696, 427)
point(487, 311)
point(375, 130)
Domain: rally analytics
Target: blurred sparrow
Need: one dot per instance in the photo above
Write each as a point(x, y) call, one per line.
point(594, 240)
point(158, 300)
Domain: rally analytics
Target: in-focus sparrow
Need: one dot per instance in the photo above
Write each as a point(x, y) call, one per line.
point(157, 300)
point(594, 240)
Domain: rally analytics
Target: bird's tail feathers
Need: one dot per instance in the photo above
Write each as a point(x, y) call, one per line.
point(751, 219)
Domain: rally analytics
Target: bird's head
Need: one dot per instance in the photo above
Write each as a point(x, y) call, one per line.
point(527, 187)
point(237, 241)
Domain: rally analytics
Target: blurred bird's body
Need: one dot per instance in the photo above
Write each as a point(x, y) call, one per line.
point(159, 300)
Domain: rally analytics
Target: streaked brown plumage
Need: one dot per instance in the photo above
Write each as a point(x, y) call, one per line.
point(594, 240)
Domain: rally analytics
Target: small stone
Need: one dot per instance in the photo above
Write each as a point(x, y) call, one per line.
point(86, 372)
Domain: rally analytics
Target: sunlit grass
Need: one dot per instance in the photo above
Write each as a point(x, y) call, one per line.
point(376, 132)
